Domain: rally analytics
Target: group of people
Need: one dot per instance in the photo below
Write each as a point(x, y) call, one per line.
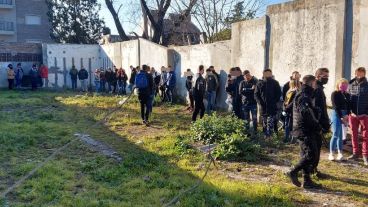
point(301, 105)
point(148, 82)
point(38, 76)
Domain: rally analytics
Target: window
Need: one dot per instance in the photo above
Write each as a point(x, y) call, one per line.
point(33, 41)
point(33, 20)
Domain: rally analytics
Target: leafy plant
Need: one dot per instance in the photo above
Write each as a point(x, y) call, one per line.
point(229, 133)
point(238, 147)
point(213, 129)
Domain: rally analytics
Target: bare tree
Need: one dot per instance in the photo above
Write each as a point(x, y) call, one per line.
point(211, 15)
point(115, 15)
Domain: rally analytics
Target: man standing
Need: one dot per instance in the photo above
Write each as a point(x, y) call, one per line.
point(133, 73)
point(305, 129)
point(249, 104)
point(44, 73)
point(33, 73)
point(171, 83)
point(322, 75)
point(163, 82)
point(144, 84)
point(19, 75)
point(359, 117)
point(212, 85)
point(267, 95)
point(235, 90)
point(74, 77)
point(199, 91)
point(83, 76)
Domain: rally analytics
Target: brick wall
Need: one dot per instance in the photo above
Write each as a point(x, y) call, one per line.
point(32, 32)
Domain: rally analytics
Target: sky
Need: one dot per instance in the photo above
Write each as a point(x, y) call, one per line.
point(105, 14)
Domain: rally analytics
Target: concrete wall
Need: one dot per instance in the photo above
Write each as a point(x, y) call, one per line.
point(360, 35)
point(61, 57)
point(152, 54)
point(217, 54)
point(248, 45)
point(306, 35)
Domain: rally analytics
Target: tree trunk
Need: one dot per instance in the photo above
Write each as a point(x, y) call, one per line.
point(115, 16)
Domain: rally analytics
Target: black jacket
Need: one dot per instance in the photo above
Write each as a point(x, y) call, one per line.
point(212, 82)
point(359, 96)
point(267, 95)
point(83, 74)
point(246, 91)
point(199, 89)
point(305, 115)
point(132, 77)
point(189, 84)
point(340, 102)
point(110, 76)
point(320, 102)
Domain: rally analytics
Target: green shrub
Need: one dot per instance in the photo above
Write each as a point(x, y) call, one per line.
point(238, 147)
point(229, 134)
point(212, 129)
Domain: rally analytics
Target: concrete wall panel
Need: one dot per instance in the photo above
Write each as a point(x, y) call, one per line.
point(62, 56)
point(306, 35)
point(217, 54)
point(248, 44)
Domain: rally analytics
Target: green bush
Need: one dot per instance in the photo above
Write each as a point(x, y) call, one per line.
point(229, 134)
point(213, 129)
point(238, 147)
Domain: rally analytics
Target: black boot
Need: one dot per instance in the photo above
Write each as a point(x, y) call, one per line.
point(309, 184)
point(293, 176)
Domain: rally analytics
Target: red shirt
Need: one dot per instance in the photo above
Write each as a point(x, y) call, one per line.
point(44, 72)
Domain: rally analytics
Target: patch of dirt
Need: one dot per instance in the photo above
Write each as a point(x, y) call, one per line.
point(99, 147)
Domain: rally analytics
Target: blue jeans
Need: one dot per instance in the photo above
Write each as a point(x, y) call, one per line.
point(247, 111)
point(122, 87)
point(97, 85)
point(336, 140)
point(109, 86)
point(268, 124)
point(211, 98)
point(74, 84)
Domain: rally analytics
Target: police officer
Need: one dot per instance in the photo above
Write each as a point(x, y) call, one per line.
point(322, 75)
point(305, 128)
point(199, 91)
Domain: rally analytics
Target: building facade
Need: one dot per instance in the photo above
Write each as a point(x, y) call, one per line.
point(24, 21)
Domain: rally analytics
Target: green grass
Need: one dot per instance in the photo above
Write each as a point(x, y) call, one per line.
point(156, 163)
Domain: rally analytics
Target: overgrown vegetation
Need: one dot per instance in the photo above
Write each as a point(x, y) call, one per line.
point(158, 161)
point(229, 135)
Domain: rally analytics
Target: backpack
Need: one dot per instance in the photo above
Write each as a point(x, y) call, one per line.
point(141, 81)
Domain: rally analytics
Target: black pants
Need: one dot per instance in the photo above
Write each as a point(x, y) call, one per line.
point(198, 108)
point(319, 147)
point(34, 83)
point(145, 109)
point(10, 84)
point(309, 155)
point(191, 99)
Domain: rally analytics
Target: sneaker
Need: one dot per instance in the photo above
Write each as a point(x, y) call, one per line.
point(294, 178)
point(365, 160)
point(144, 122)
point(339, 157)
point(353, 157)
point(311, 185)
point(331, 157)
